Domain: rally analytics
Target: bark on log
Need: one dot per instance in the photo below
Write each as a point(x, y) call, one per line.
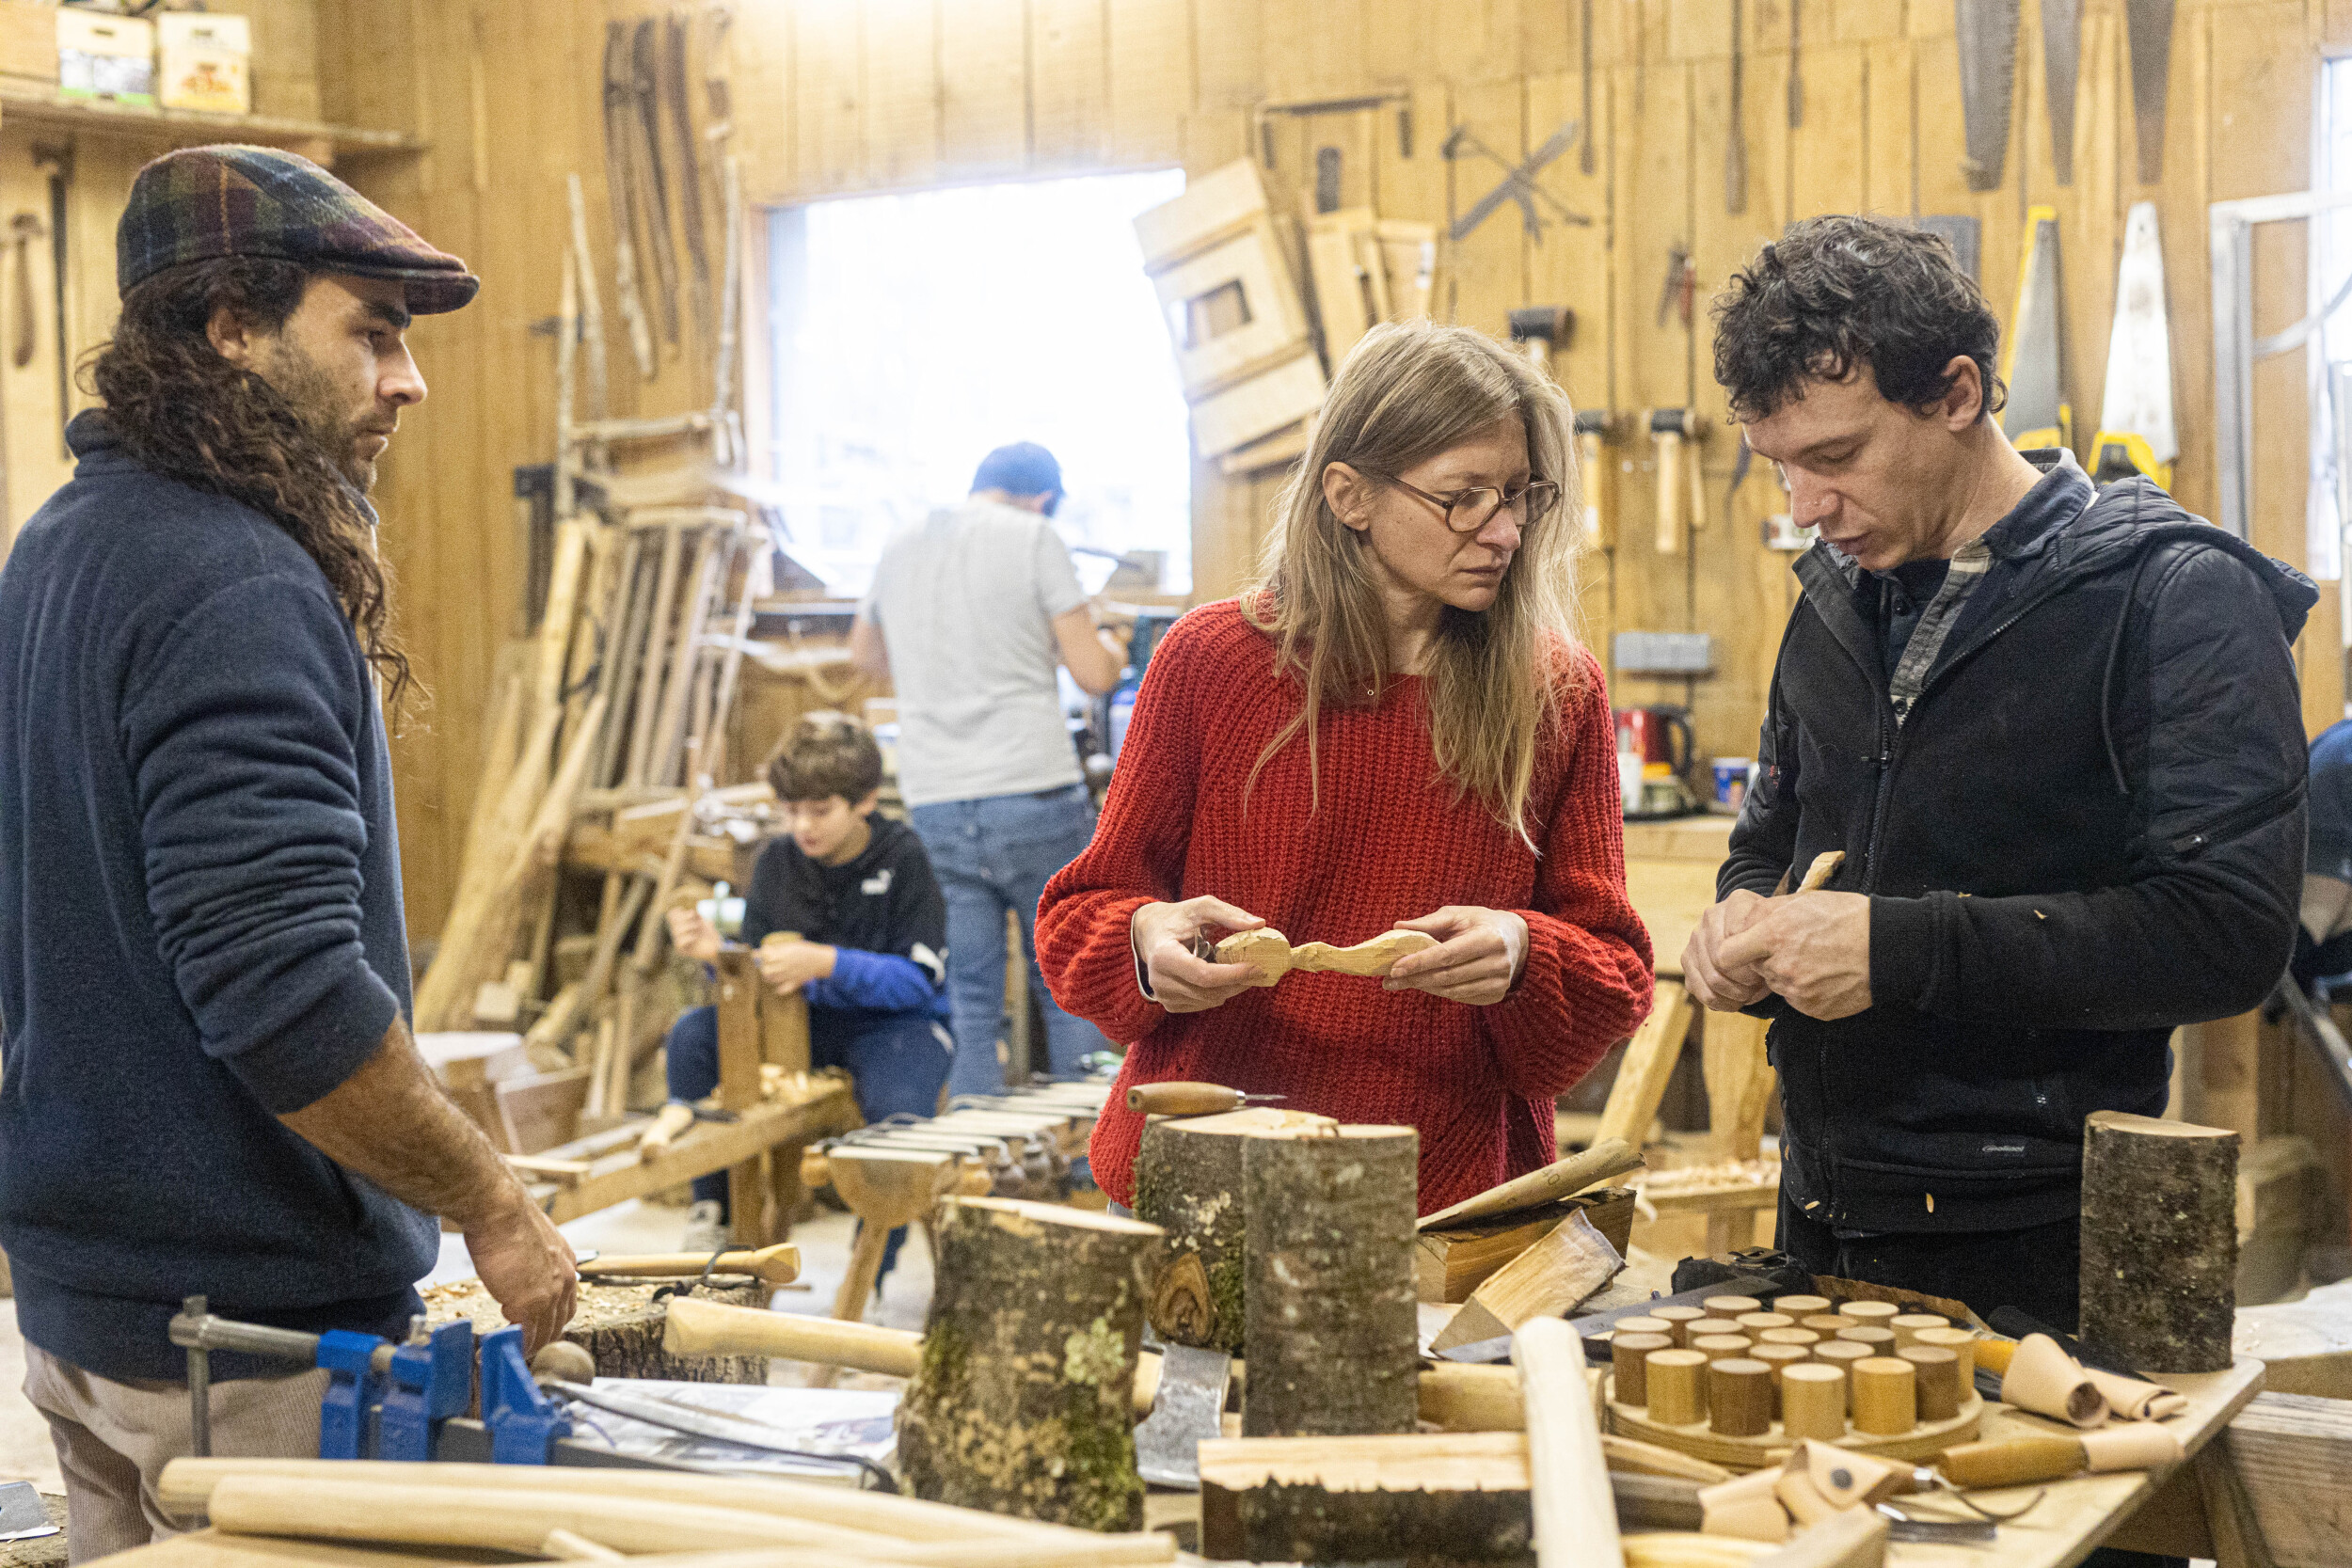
point(1328, 1304)
point(1024, 1402)
point(1189, 1182)
point(2159, 1242)
point(618, 1324)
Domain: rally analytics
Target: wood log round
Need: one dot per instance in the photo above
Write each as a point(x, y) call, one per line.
point(1189, 1182)
point(1628, 1356)
point(1879, 1341)
point(1730, 1307)
point(1740, 1398)
point(1813, 1401)
point(1644, 1325)
point(1024, 1402)
point(1700, 1328)
point(1962, 1343)
point(1677, 1386)
point(1885, 1396)
point(1826, 1324)
point(2159, 1242)
point(1801, 1308)
point(1331, 1320)
point(1721, 1347)
point(1804, 1339)
point(1842, 1355)
point(1908, 1326)
point(1936, 1373)
point(620, 1326)
point(1754, 1324)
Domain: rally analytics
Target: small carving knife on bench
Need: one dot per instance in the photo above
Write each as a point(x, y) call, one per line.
point(1191, 1099)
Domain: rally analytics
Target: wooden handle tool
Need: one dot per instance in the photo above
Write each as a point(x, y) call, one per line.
point(1824, 867)
point(1561, 1178)
point(2021, 1461)
point(1190, 1100)
point(776, 1265)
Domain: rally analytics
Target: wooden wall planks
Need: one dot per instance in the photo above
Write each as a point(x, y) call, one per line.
point(833, 96)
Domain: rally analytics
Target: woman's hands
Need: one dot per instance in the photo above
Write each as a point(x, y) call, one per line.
point(1166, 937)
point(692, 935)
point(1476, 962)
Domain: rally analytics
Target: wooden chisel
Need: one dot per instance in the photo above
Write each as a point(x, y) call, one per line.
point(1191, 1099)
point(2021, 1461)
point(776, 1265)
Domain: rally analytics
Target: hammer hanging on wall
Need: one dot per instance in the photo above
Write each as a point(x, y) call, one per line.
point(1669, 429)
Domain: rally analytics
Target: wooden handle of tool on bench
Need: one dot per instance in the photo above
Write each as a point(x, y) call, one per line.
point(776, 1265)
point(706, 1328)
point(2011, 1462)
point(1183, 1100)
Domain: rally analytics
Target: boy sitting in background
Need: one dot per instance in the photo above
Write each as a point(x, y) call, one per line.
point(858, 890)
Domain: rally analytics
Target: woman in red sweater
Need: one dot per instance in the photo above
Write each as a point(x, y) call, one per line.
point(1396, 729)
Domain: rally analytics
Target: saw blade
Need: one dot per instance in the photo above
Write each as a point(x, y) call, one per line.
point(1988, 75)
point(2148, 24)
point(2061, 62)
point(2135, 410)
point(2036, 415)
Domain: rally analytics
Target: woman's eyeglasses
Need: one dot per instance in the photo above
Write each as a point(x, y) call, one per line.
point(1467, 511)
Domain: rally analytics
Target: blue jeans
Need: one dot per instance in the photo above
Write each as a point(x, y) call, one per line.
point(895, 1063)
point(991, 855)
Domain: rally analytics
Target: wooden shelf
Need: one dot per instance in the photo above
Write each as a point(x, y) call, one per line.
point(191, 127)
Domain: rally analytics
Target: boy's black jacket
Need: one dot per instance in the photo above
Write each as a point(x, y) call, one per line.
point(2089, 830)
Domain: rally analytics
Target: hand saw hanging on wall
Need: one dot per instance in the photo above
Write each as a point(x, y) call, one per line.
point(2037, 414)
point(2135, 411)
point(1988, 75)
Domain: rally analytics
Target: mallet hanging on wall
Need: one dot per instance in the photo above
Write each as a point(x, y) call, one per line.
point(1670, 429)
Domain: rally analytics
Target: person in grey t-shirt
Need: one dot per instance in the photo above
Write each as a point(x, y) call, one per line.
point(970, 611)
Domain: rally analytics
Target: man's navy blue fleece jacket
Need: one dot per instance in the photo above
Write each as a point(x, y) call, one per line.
point(200, 925)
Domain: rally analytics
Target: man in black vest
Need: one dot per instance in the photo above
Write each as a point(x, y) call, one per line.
point(2056, 732)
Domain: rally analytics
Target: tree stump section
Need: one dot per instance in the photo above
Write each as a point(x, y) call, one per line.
point(1024, 1402)
point(1328, 1302)
point(2159, 1242)
point(618, 1324)
point(1189, 1182)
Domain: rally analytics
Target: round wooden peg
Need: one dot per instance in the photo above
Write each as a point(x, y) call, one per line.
point(1677, 1388)
point(1740, 1398)
point(1886, 1396)
point(1628, 1358)
point(1813, 1401)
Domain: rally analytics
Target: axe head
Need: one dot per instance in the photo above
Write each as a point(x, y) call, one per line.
point(1673, 422)
point(1190, 1408)
point(1549, 324)
point(1595, 422)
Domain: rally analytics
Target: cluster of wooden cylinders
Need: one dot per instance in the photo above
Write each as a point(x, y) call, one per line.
point(1867, 1364)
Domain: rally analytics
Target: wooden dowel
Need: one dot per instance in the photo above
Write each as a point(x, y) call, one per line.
point(1709, 1324)
point(1885, 1396)
point(1780, 1358)
point(1754, 1324)
point(1739, 1398)
point(1677, 1388)
point(1801, 1308)
point(1843, 1355)
point(1677, 1321)
point(1873, 1314)
point(1730, 1307)
point(1721, 1347)
point(1936, 1377)
point(1628, 1356)
point(1804, 1339)
point(1644, 1324)
point(1879, 1341)
point(1962, 1343)
point(1908, 1326)
point(1826, 1324)
point(1813, 1401)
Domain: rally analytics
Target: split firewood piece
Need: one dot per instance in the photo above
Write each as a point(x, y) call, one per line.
point(1023, 1400)
point(2159, 1242)
point(1328, 1309)
point(1561, 1178)
point(1271, 952)
point(1189, 1182)
point(1576, 1515)
point(1548, 1280)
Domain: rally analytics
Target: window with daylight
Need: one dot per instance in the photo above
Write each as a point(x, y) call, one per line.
point(913, 334)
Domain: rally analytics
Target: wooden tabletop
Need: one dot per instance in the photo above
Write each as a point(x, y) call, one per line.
point(2078, 1515)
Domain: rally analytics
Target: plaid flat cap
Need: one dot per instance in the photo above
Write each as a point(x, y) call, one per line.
point(202, 202)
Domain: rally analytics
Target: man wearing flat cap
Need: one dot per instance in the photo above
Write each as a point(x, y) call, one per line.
point(210, 1086)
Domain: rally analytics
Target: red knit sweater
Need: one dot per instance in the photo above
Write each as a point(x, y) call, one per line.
point(1389, 842)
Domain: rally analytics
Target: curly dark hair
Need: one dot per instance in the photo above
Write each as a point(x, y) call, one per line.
point(183, 411)
point(826, 753)
point(1833, 292)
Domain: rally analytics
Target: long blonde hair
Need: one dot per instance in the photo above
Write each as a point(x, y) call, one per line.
point(1495, 678)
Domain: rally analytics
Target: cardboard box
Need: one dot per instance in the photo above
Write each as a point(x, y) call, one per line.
point(102, 56)
point(28, 43)
point(207, 62)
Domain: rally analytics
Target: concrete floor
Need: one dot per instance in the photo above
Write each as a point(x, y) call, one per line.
point(25, 1453)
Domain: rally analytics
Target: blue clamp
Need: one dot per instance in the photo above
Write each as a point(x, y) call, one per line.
point(351, 1394)
point(522, 1421)
point(430, 1382)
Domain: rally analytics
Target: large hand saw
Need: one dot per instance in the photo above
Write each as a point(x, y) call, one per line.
point(2037, 414)
point(2136, 433)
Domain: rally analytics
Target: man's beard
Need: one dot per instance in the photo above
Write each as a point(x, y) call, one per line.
point(314, 399)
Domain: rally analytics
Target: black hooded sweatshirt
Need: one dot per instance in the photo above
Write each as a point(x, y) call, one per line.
point(2087, 830)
